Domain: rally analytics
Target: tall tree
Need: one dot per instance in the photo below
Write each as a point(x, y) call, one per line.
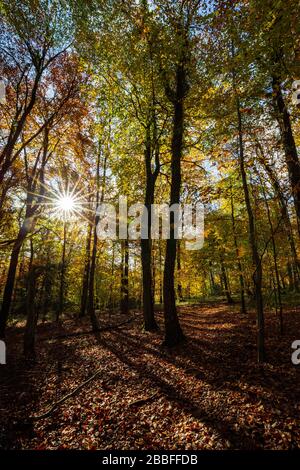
point(179, 17)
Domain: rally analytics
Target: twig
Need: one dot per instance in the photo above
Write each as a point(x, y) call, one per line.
point(66, 397)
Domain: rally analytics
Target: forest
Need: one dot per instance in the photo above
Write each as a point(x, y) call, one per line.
point(146, 342)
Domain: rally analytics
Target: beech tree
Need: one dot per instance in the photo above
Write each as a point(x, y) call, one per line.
point(33, 36)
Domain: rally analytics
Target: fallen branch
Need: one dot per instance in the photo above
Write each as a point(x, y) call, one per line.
point(55, 405)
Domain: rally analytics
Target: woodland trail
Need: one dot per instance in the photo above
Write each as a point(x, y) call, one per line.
point(208, 393)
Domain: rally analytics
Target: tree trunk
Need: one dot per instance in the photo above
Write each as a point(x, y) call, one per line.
point(225, 283)
point(62, 276)
point(6, 156)
point(124, 304)
point(213, 287)
point(85, 281)
point(110, 301)
point(32, 316)
point(146, 243)
point(277, 285)
point(153, 260)
point(173, 332)
point(91, 292)
point(10, 280)
point(91, 301)
point(284, 212)
point(47, 287)
point(160, 274)
point(257, 275)
point(179, 286)
point(146, 259)
point(148, 301)
point(289, 146)
point(240, 270)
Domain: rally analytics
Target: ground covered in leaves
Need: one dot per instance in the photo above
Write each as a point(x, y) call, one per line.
point(209, 393)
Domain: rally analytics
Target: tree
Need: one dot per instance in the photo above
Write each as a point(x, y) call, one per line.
point(179, 18)
point(31, 42)
point(64, 103)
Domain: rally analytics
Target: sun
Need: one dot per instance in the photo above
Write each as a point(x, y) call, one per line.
point(66, 203)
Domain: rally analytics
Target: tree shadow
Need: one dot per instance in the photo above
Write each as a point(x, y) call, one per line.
point(226, 360)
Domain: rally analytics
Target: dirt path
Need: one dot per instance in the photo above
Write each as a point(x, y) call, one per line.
point(208, 393)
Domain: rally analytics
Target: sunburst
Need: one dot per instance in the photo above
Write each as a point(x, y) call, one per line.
point(68, 204)
point(65, 203)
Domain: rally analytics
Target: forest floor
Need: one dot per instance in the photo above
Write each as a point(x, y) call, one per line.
point(209, 393)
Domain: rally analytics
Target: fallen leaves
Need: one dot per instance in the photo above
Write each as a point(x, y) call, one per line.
point(206, 394)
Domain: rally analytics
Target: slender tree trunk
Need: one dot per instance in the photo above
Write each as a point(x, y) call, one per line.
point(6, 156)
point(239, 264)
point(85, 281)
point(148, 300)
point(124, 304)
point(160, 273)
point(151, 158)
point(47, 289)
point(257, 275)
point(61, 297)
point(225, 283)
point(274, 251)
point(284, 212)
point(146, 258)
point(153, 259)
point(289, 268)
point(91, 294)
point(283, 281)
point(213, 287)
point(91, 300)
point(32, 315)
point(110, 301)
point(10, 280)
point(146, 243)
point(91, 290)
point(4, 189)
point(289, 146)
point(173, 332)
point(179, 286)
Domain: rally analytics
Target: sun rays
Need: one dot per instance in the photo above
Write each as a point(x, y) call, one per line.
point(66, 203)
